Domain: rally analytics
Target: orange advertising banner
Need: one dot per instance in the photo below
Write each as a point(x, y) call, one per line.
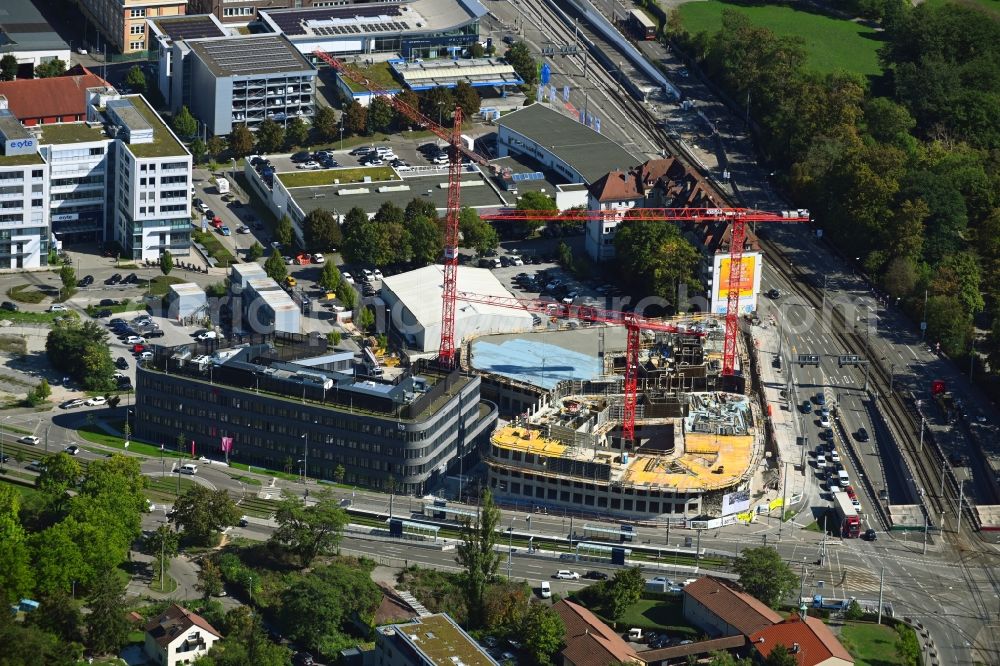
point(748, 268)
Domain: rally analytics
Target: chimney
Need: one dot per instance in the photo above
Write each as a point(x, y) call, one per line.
point(795, 648)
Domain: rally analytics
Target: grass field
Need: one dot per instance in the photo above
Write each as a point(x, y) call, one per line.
point(214, 247)
point(327, 176)
point(26, 293)
point(158, 286)
point(830, 43)
point(870, 644)
point(658, 615)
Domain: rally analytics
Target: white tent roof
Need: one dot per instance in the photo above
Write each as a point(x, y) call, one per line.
point(421, 290)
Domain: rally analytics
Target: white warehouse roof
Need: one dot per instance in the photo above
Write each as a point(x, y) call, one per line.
point(420, 291)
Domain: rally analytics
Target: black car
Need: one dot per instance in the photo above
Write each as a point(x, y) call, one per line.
point(595, 575)
point(131, 278)
point(121, 363)
point(360, 150)
point(870, 535)
point(108, 302)
point(862, 435)
point(86, 281)
point(9, 306)
point(773, 293)
point(114, 279)
point(154, 333)
point(302, 659)
point(301, 156)
point(101, 314)
point(117, 321)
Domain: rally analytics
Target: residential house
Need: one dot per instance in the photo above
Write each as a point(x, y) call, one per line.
point(178, 636)
point(590, 642)
point(718, 609)
point(808, 638)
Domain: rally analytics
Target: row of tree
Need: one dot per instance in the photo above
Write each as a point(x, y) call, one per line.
point(81, 351)
point(901, 171)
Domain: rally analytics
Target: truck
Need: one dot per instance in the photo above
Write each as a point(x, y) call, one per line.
point(847, 516)
point(222, 185)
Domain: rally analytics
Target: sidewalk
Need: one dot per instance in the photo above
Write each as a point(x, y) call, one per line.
point(782, 417)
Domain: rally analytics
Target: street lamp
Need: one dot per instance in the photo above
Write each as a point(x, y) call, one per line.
point(510, 546)
point(342, 135)
point(4, 421)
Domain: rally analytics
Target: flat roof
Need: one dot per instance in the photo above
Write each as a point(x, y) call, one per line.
point(443, 643)
point(371, 18)
point(58, 133)
point(164, 143)
point(476, 193)
point(250, 55)
point(529, 360)
point(589, 152)
point(187, 289)
point(425, 74)
point(24, 28)
point(188, 26)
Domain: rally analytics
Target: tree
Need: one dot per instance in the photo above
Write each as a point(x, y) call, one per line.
point(58, 614)
point(198, 150)
point(565, 254)
point(17, 575)
point(478, 557)
point(309, 531)
point(24, 643)
point(368, 241)
point(67, 275)
point(209, 579)
point(297, 132)
point(426, 240)
point(380, 115)
point(655, 257)
point(900, 277)
point(255, 252)
point(477, 234)
point(8, 67)
point(624, 590)
point(723, 658)
point(325, 123)
point(329, 277)
point(476, 50)
point(467, 98)
point(519, 57)
point(949, 324)
point(201, 513)
point(166, 262)
point(61, 473)
point(321, 231)
point(246, 643)
point(162, 544)
point(412, 100)
point(908, 645)
point(438, 103)
point(338, 473)
point(135, 80)
point(216, 145)
point(184, 123)
point(107, 627)
point(537, 201)
point(284, 232)
point(356, 118)
point(348, 296)
point(80, 350)
point(543, 632)
point(854, 611)
point(763, 574)
point(57, 67)
point(270, 136)
point(366, 321)
point(241, 141)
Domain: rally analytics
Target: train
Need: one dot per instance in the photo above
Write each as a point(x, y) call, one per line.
point(641, 25)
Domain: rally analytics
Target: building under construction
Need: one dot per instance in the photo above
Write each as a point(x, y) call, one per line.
point(693, 443)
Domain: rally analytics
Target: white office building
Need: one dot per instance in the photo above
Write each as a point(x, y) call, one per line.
point(24, 223)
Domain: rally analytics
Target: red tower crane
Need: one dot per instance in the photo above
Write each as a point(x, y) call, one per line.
point(632, 322)
point(446, 352)
point(736, 217)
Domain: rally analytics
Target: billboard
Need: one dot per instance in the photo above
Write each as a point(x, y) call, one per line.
point(737, 502)
point(748, 269)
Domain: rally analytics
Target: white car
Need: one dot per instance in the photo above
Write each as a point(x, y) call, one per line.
point(821, 460)
point(440, 159)
point(566, 574)
point(288, 261)
point(346, 277)
point(318, 258)
point(72, 449)
point(207, 335)
point(57, 308)
point(367, 273)
point(824, 421)
point(404, 167)
point(135, 340)
point(311, 166)
point(377, 274)
point(516, 261)
point(146, 356)
point(374, 162)
point(834, 456)
point(96, 401)
point(28, 439)
point(73, 403)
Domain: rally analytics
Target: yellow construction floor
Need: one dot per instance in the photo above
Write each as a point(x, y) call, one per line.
point(523, 439)
point(706, 454)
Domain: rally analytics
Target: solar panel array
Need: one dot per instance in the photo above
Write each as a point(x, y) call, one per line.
point(195, 27)
point(330, 30)
point(294, 22)
point(266, 55)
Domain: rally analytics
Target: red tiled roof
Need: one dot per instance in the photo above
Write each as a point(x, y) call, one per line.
point(617, 186)
point(737, 609)
point(696, 648)
point(175, 621)
point(56, 96)
point(816, 643)
point(590, 642)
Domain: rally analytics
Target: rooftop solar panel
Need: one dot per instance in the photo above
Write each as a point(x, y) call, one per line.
point(189, 27)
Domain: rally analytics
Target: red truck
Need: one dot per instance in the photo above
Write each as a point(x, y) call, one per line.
point(847, 516)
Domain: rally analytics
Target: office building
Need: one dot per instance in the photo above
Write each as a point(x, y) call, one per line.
point(123, 22)
point(57, 99)
point(24, 223)
point(164, 32)
point(431, 640)
point(294, 397)
point(26, 35)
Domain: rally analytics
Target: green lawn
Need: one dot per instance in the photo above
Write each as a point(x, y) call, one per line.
point(158, 286)
point(163, 489)
point(131, 306)
point(870, 644)
point(379, 73)
point(658, 615)
point(328, 176)
point(830, 43)
point(26, 293)
point(169, 584)
point(214, 247)
point(23, 490)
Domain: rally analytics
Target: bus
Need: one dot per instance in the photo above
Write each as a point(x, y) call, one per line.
point(642, 25)
point(847, 516)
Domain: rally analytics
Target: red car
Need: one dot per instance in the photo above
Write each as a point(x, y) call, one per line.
point(850, 492)
point(138, 349)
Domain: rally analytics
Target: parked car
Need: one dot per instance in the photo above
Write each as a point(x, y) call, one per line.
point(146, 356)
point(108, 302)
point(566, 574)
point(207, 335)
point(86, 281)
point(121, 363)
point(310, 166)
point(31, 440)
point(101, 314)
point(243, 229)
point(9, 306)
point(545, 590)
point(318, 258)
point(96, 401)
point(807, 407)
point(131, 278)
point(225, 230)
point(302, 156)
point(57, 307)
point(595, 575)
point(71, 404)
point(114, 279)
point(377, 275)
point(135, 340)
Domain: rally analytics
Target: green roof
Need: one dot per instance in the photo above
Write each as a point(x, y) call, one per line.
point(20, 160)
point(164, 144)
point(320, 177)
point(379, 73)
point(71, 133)
point(440, 640)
